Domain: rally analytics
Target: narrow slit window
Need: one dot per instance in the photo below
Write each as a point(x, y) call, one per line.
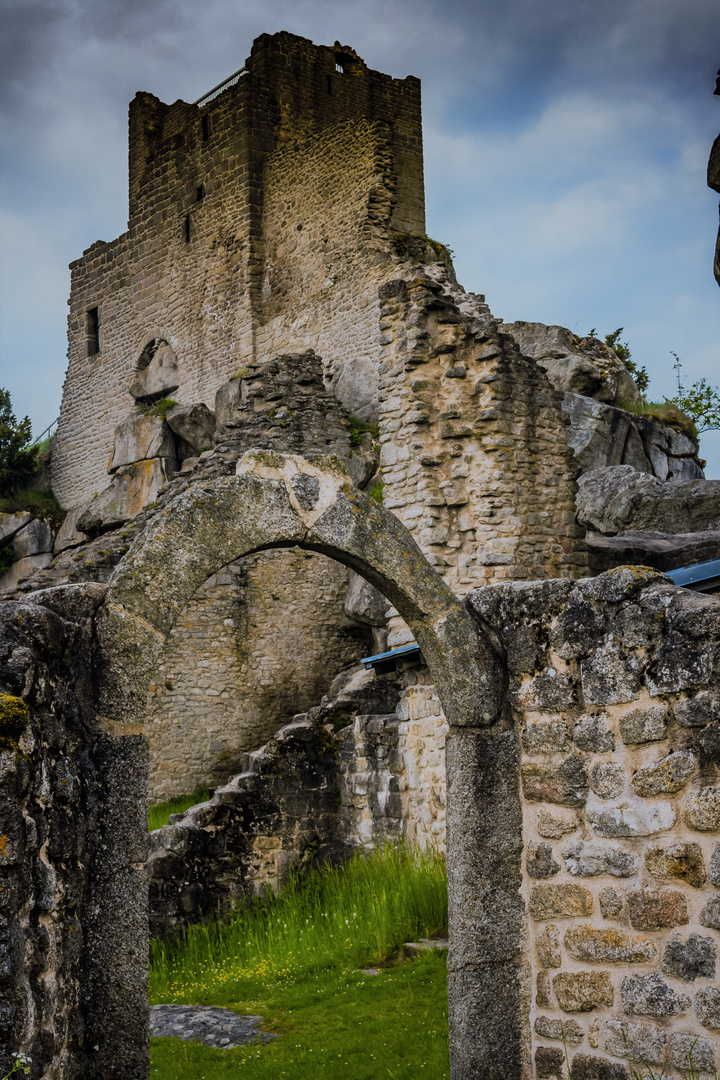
point(199, 193)
point(92, 331)
point(205, 127)
point(187, 229)
point(328, 85)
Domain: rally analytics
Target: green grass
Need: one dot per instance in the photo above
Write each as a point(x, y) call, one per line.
point(40, 503)
point(295, 961)
point(663, 414)
point(160, 814)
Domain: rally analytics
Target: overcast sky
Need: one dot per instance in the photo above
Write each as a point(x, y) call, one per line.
point(566, 143)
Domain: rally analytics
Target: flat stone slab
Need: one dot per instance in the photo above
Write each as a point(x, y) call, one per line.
point(414, 948)
point(221, 1028)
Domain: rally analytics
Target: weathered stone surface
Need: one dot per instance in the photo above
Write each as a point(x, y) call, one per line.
point(644, 725)
point(592, 735)
point(12, 523)
point(22, 569)
point(543, 997)
point(549, 1061)
point(583, 991)
point(68, 534)
point(608, 946)
point(159, 375)
point(710, 914)
point(714, 870)
point(601, 436)
point(611, 902)
point(609, 677)
point(194, 424)
point(585, 858)
point(548, 946)
point(607, 779)
point(546, 737)
point(550, 691)
point(702, 809)
point(686, 1050)
point(551, 1028)
point(554, 823)
point(684, 861)
point(691, 959)
point(140, 438)
point(364, 603)
point(132, 488)
point(558, 901)
point(653, 909)
point(566, 783)
point(614, 499)
point(645, 547)
point(703, 708)
point(639, 1042)
point(228, 400)
point(540, 862)
point(650, 995)
point(667, 776)
point(34, 539)
point(587, 1067)
point(707, 1007)
point(631, 817)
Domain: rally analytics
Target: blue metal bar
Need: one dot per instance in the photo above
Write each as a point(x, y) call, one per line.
point(393, 654)
point(688, 575)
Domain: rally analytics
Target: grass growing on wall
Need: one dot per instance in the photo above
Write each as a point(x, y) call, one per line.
point(159, 814)
point(295, 961)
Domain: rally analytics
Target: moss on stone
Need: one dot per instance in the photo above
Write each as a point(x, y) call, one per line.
point(14, 719)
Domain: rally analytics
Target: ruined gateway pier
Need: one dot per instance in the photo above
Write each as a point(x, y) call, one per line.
point(275, 281)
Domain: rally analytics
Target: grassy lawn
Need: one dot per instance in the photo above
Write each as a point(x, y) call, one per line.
point(295, 961)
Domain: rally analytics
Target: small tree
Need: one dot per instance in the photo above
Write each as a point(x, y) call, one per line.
point(701, 401)
point(622, 350)
point(18, 459)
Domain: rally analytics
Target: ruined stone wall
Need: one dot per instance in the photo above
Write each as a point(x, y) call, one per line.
point(613, 690)
point(260, 642)
point(203, 254)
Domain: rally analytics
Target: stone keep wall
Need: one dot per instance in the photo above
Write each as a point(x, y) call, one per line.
point(613, 685)
point(260, 642)
point(204, 254)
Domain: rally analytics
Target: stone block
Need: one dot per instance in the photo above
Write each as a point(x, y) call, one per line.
point(22, 569)
point(587, 858)
point(546, 737)
point(193, 424)
point(140, 438)
point(657, 908)
point(683, 861)
point(609, 677)
point(667, 776)
point(698, 711)
point(588, 1067)
point(13, 523)
point(364, 603)
point(551, 1028)
point(650, 995)
point(540, 862)
point(132, 488)
point(554, 823)
point(644, 725)
point(631, 817)
point(710, 914)
point(547, 943)
point(566, 783)
point(608, 946)
point(228, 400)
point(560, 901)
point(607, 779)
point(582, 991)
point(68, 534)
point(549, 1061)
point(550, 691)
point(34, 539)
point(159, 376)
point(702, 809)
point(543, 998)
point(618, 498)
point(687, 1051)
point(691, 959)
point(714, 869)
point(639, 1042)
point(592, 735)
point(707, 1007)
point(611, 903)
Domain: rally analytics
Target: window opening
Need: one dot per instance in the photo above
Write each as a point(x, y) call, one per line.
point(199, 192)
point(205, 126)
point(187, 228)
point(92, 331)
point(339, 67)
point(329, 84)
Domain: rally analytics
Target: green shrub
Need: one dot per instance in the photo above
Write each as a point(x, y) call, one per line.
point(358, 428)
point(159, 814)
point(18, 459)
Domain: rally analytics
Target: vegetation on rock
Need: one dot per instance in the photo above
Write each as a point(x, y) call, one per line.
point(18, 458)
